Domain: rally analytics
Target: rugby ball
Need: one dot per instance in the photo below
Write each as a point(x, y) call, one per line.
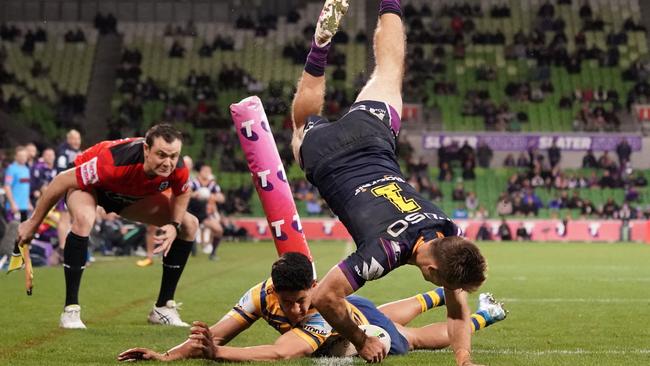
point(379, 332)
point(337, 346)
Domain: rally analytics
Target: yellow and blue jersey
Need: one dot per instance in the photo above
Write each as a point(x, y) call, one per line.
point(261, 301)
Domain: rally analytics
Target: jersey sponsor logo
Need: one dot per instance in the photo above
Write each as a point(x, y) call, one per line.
point(163, 185)
point(370, 271)
point(317, 326)
point(186, 186)
point(392, 192)
point(388, 178)
point(89, 173)
point(398, 227)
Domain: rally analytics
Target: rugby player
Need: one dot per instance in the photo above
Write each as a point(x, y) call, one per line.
point(206, 195)
point(127, 177)
point(284, 302)
point(353, 164)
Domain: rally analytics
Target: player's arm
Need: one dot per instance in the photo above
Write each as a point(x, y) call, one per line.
point(458, 326)
point(330, 302)
point(287, 346)
point(55, 190)
point(309, 100)
point(9, 194)
point(222, 332)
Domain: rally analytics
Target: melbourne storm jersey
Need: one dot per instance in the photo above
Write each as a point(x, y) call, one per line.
point(352, 162)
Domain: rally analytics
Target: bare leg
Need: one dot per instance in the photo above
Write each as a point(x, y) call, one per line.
point(404, 311)
point(385, 84)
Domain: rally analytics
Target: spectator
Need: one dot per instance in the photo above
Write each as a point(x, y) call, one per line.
point(607, 181)
point(589, 160)
point(610, 209)
point(471, 202)
point(509, 161)
point(575, 201)
point(460, 212)
point(554, 155)
point(482, 213)
point(504, 231)
point(587, 209)
point(42, 174)
point(605, 162)
point(484, 232)
point(623, 150)
point(531, 203)
point(435, 194)
point(625, 212)
point(504, 205)
point(176, 51)
point(484, 154)
point(522, 233)
point(458, 194)
point(16, 186)
point(522, 160)
point(446, 173)
point(468, 169)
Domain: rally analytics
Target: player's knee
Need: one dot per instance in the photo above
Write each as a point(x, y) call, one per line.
point(83, 222)
point(190, 225)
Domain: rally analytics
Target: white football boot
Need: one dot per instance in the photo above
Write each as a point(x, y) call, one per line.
point(494, 309)
point(167, 315)
point(329, 20)
point(71, 318)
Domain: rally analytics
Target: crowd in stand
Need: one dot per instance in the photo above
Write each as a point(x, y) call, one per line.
point(546, 45)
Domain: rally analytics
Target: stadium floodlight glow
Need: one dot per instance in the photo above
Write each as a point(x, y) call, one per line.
point(269, 176)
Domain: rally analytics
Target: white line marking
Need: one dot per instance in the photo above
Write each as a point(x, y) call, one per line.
point(333, 361)
point(578, 300)
point(578, 351)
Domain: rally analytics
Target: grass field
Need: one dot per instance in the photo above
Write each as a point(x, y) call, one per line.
point(570, 304)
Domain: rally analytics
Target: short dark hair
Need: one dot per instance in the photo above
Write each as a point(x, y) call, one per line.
point(460, 262)
point(292, 272)
point(165, 130)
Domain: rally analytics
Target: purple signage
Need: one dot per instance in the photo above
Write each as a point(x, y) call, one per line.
point(522, 142)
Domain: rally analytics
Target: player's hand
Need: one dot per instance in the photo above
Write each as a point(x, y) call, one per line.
point(26, 231)
point(140, 354)
point(164, 238)
point(14, 208)
point(201, 339)
point(372, 350)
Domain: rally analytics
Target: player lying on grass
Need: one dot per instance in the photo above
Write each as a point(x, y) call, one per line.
point(284, 302)
point(128, 177)
point(352, 162)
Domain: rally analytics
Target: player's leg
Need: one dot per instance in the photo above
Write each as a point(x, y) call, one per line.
point(156, 210)
point(63, 227)
point(404, 311)
point(385, 83)
point(435, 336)
point(213, 222)
point(149, 245)
point(310, 91)
point(82, 208)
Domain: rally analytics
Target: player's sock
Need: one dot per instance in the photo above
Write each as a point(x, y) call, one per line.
point(431, 299)
point(75, 254)
point(317, 59)
point(483, 318)
point(390, 6)
point(173, 265)
point(215, 245)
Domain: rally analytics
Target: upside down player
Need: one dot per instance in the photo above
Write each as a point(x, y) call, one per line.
point(352, 162)
point(127, 177)
point(284, 302)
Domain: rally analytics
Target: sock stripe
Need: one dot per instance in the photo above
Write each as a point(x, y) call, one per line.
point(428, 300)
point(423, 303)
point(478, 322)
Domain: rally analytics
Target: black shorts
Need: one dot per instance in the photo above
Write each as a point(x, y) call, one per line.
point(339, 156)
point(373, 259)
point(112, 202)
point(327, 144)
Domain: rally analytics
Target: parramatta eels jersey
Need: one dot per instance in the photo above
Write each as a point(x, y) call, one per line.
point(261, 301)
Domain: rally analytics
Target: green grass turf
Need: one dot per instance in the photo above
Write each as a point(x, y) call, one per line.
point(570, 304)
